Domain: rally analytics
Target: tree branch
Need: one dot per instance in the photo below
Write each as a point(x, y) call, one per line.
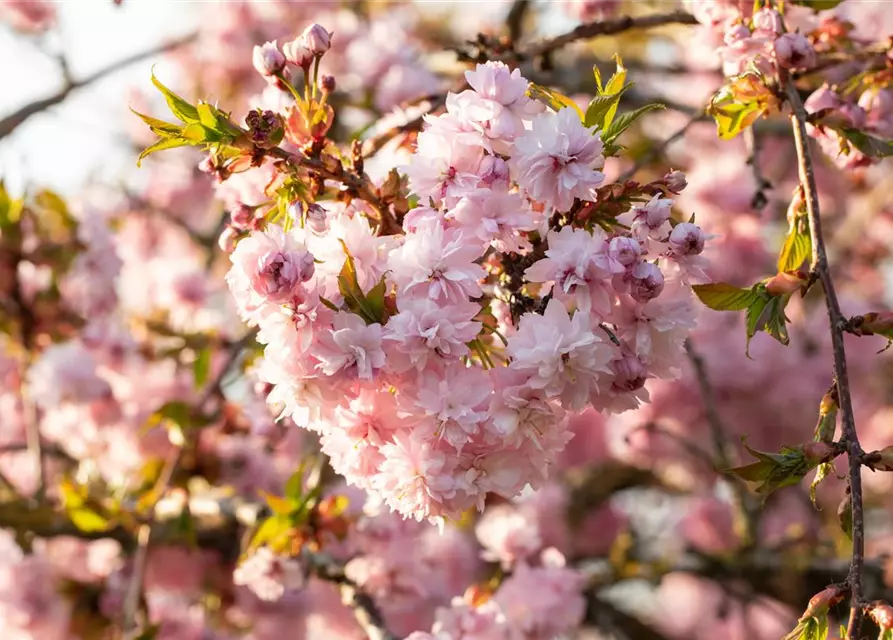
point(608, 27)
point(837, 323)
point(11, 122)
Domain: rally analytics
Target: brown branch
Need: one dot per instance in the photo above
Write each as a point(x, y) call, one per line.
point(130, 626)
point(365, 610)
point(514, 19)
point(373, 145)
point(837, 324)
point(742, 500)
point(608, 27)
point(752, 142)
point(11, 122)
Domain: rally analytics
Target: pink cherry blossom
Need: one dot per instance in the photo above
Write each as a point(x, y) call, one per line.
point(557, 161)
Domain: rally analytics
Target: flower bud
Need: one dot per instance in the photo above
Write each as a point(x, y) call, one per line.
point(822, 98)
point(317, 218)
point(629, 374)
point(784, 283)
point(297, 53)
point(881, 614)
point(242, 217)
point(821, 603)
point(767, 23)
point(268, 60)
point(227, 239)
point(317, 39)
point(819, 452)
point(265, 128)
point(327, 84)
point(686, 239)
point(881, 460)
point(676, 181)
point(624, 250)
point(646, 282)
point(794, 51)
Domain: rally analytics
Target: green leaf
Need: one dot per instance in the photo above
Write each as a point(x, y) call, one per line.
point(720, 296)
point(375, 301)
point(822, 471)
point(277, 504)
point(10, 210)
point(818, 5)
point(183, 110)
point(731, 119)
point(88, 521)
point(353, 295)
point(201, 366)
point(625, 120)
point(767, 314)
point(599, 107)
point(616, 86)
point(869, 145)
point(160, 127)
point(273, 532)
point(553, 99)
point(161, 145)
point(773, 471)
point(294, 486)
point(797, 247)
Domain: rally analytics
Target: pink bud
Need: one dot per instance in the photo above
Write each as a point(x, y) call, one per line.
point(767, 23)
point(242, 217)
point(227, 240)
point(646, 282)
point(819, 452)
point(784, 283)
point(676, 181)
point(881, 614)
point(794, 51)
point(268, 60)
point(686, 239)
point(297, 53)
point(624, 250)
point(821, 602)
point(821, 99)
point(317, 218)
point(317, 39)
point(327, 84)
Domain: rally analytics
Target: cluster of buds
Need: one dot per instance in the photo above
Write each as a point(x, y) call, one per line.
point(301, 52)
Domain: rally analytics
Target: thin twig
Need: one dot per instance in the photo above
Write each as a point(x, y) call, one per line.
point(609, 27)
point(130, 626)
point(720, 443)
point(658, 149)
point(12, 121)
point(837, 323)
point(365, 610)
point(752, 143)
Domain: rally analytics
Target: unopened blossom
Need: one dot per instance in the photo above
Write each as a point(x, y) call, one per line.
point(558, 160)
point(687, 239)
point(794, 51)
point(646, 281)
point(767, 23)
point(317, 39)
point(650, 220)
point(298, 53)
point(268, 60)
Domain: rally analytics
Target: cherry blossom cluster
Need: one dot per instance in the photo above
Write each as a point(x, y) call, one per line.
point(401, 352)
